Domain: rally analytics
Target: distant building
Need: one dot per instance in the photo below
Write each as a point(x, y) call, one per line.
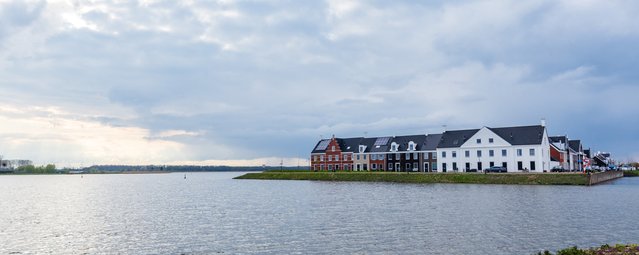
point(13, 164)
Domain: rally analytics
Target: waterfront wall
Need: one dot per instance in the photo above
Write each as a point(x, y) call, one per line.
point(596, 178)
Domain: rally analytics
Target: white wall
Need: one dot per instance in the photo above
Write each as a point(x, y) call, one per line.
point(541, 156)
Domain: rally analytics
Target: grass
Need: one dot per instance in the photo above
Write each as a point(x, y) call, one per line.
point(633, 173)
point(621, 249)
point(477, 178)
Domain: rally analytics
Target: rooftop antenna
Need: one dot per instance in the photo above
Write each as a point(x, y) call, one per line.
point(444, 127)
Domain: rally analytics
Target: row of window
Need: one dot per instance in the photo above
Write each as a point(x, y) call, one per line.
point(374, 166)
point(346, 157)
point(491, 153)
point(467, 166)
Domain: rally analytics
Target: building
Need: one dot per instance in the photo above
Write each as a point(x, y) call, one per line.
point(559, 152)
point(518, 149)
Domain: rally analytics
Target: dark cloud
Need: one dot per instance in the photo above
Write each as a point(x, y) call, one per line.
point(267, 79)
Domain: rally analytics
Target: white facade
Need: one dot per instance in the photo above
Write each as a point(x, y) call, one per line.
point(485, 148)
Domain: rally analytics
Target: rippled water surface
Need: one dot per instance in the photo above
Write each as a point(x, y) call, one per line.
point(212, 213)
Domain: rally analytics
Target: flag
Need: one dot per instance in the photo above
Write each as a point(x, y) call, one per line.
point(586, 162)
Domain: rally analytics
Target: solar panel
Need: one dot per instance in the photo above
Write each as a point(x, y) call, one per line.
point(323, 144)
point(381, 141)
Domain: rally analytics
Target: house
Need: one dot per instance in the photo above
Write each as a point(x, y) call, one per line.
point(559, 152)
point(575, 155)
point(522, 148)
point(518, 149)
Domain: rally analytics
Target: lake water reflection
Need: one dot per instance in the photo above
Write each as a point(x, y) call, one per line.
point(212, 213)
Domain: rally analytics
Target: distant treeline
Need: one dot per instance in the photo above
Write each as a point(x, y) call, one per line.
point(163, 168)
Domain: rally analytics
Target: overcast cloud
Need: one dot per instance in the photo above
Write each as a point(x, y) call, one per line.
point(252, 82)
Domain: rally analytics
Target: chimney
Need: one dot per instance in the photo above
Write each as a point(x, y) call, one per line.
point(543, 122)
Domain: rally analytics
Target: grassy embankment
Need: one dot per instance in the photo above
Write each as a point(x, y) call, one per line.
point(478, 178)
point(603, 250)
point(633, 173)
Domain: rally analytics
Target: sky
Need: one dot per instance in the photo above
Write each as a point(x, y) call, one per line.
point(260, 82)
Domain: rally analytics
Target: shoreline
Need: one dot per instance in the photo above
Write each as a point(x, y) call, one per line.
point(578, 179)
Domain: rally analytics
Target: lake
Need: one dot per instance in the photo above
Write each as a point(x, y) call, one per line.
point(212, 213)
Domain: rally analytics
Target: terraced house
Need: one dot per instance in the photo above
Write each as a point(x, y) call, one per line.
point(518, 149)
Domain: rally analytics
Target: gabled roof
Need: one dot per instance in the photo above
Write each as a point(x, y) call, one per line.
point(574, 145)
point(557, 139)
point(455, 138)
point(403, 141)
point(431, 142)
point(524, 135)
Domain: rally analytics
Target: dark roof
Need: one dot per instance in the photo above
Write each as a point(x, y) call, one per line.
point(587, 152)
point(455, 138)
point(524, 135)
point(431, 142)
point(352, 144)
point(574, 145)
point(557, 139)
point(404, 140)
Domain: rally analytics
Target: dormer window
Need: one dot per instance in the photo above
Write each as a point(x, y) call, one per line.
point(411, 146)
point(362, 148)
point(394, 146)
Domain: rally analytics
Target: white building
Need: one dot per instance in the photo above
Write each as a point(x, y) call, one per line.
point(519, 149)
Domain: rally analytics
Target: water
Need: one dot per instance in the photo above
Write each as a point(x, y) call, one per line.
point(212, 213)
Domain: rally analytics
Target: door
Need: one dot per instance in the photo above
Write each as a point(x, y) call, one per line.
point(397, 167)
point(426, 167)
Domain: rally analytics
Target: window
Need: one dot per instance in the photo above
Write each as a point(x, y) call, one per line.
point(346, 167)
point(333, 148)
point(434, 167)
point(519, 152)
point(443, 154)
point(532, 165)
point(454, 154)
point(491, 164)
point(520, 165)
point(408, 166)
point(373, 156)
point(321, 157)
point(467, 154)
point(314, 158)
point(407, 156)
point(504, 153)
point(364, 156)
point(411, 146)
point(415, 156)
point(478, 141)
point(374, 166)
point(532, 152)
point(390, 166)
point(346, 157)
point(479, 153)
point(504, 164)
point(380, 157)
point(490, 140)
point(357, 156)
point(415, 165)
point(455, 166)
point(491, 153)
point(336, 157)
point(397, 156)
point(433, 155)
point(330, 167)
point(322, 167)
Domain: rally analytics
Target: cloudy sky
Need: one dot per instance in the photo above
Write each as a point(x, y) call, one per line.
point(251, 82)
